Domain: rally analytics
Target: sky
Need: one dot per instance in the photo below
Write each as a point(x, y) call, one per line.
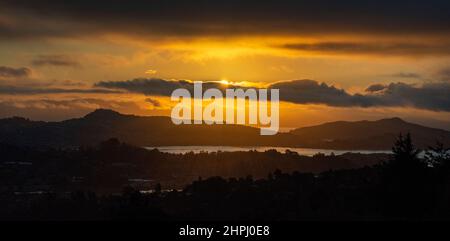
point(331, 60)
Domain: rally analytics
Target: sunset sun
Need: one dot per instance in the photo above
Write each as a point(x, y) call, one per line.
point(225, 82)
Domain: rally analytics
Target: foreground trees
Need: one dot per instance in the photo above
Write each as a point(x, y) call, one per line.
point(406, 187)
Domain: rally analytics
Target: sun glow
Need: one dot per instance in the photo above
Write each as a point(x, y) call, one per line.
point(224, 82)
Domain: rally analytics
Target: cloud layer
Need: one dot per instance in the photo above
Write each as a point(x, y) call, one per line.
point(430, 96)
point(9, 72)
point(54, 60)
point(155, 86)
point(379, 48)
point(188, 18)
point(25, 90)
point(401, 28)
point(61, 109)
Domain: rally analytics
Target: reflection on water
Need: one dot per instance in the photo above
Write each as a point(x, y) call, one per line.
point(301, 151)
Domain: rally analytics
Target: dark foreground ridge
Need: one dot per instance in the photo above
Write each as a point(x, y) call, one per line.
point(403, 187)
point(111, 165)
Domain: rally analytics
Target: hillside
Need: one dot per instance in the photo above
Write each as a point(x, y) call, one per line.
point(378, 134)
point(159, 131)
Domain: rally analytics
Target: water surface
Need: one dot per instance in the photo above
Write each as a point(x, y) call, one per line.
point(301, 151)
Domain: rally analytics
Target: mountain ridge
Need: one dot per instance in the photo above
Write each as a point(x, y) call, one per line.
point(103, 124)
point(383, 130)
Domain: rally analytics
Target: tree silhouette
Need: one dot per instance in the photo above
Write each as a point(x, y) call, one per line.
point(158, 188)
point(438, 155)
point(406, 188)
point(404, 149)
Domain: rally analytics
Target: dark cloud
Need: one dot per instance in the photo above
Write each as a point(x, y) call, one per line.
point(24, 90)
point(9, 72)
point(223, 18)
point(310, 91)
point(62, 109)
point(55, 60)
point(444, 74)
point(372, 48)
point(375, 88)
point(406, 75)
point(28, 30)
point(313, 92)
point(430, 96)
point(153, 102)
point(155, 86)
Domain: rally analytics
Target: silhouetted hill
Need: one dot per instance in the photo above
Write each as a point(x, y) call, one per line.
point(104, 114)
point(144, 131)
point(368, 134)
point(160, 131)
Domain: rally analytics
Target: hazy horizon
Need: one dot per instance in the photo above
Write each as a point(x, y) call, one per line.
point(283, 129)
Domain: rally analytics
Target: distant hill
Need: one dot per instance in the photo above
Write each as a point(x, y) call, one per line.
point(378, 134)
point(103, 124)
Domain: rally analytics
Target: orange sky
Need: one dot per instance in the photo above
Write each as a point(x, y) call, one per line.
point(64, 54)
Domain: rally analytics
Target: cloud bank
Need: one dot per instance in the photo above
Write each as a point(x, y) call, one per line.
point(429, 96)
point(54, 60)
point(25, 90)
point(425, 25)
point(379, 48)
point(9, 72)
point(213, 17)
